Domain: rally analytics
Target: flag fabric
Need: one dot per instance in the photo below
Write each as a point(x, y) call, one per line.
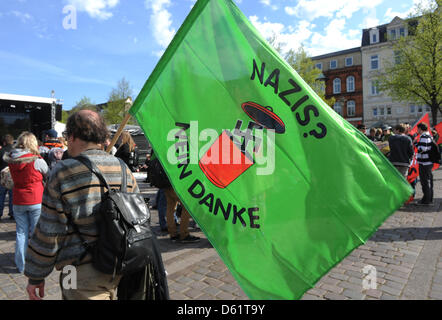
point(282, 186)
point(438, 128)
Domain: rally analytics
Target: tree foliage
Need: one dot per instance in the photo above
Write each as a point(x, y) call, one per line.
point(414, 72)
point(83, 103)
point(116, 108)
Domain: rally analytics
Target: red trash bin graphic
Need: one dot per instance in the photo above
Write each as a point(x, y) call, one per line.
point(227, 158)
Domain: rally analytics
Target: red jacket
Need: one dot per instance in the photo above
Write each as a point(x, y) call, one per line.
point(28, 182)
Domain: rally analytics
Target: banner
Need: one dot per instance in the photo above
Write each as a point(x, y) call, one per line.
point(282, 186)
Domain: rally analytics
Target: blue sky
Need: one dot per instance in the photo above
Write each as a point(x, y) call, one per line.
point(83, 47)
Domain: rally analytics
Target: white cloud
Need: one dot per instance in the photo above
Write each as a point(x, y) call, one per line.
point(95, 8)
point(268, 3)
point(288, 37)
point(370, 20)
point(161, 21)
point(336, 38)
point(23, 16)
point(312, 9)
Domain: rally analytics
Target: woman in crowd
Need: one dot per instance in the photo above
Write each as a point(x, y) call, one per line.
point(28, 171)
point(127, 151)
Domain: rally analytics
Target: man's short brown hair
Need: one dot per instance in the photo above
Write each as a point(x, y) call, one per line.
point(88, 126)
point(401, 128)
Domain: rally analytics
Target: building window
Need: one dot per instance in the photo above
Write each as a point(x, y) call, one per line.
point(319, 66)
point(338, 108)
point(374, 87)
point(374, 62)
point(350, 84)
point(393, 34)
point(333, 64)
point(389, 111)
point(348, 61)
point(412, 108)
point(375, 112)
point(402, 32)
point(427, 108)
point(381, 111)
point(337, 85)
point(420, 109)
point(351, 108)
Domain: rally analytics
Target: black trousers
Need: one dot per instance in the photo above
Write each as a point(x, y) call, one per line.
point(426, 178)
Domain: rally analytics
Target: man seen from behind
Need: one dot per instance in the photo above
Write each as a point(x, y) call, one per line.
point(69, 198)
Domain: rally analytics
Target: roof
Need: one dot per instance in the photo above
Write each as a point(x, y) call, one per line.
point(16, 97)
point(337, 53)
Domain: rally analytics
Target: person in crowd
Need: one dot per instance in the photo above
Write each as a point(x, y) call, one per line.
point(51, 140)
point(435, 135)
point(184, 236)
point(127, 150)
point(63, 142)
point(362, 128)
point(7, 142)
point(378, 134)
point(386, 132)
point(425, 165)
point(401, 149)
point(69, 198)
point(161, 203)
point(113, 150)
point(55, 155)
point(372, 135)
point(28, 171)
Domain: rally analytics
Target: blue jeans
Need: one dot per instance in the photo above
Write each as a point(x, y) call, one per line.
point(26, 218)
point(3, 192)
point(162, 206)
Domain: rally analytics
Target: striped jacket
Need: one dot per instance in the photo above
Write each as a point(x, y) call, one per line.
point(72, 192)
point(423, 148)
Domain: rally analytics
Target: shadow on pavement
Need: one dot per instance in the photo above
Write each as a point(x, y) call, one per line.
point(407, 234)
point(7, 265)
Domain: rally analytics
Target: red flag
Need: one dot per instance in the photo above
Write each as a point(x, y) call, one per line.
point(438, 128)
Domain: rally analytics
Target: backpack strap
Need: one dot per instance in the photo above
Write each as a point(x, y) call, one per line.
point(93, 168)
point(123, 176)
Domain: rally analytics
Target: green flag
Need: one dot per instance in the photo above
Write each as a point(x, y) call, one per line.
point(281, 185)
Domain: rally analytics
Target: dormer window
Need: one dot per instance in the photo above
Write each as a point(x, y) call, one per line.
point(374, 35)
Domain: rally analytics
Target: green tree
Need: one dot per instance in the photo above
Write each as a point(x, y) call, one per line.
point(83, 103)
point(304, 66)
point(414, 73)
point(117, 108)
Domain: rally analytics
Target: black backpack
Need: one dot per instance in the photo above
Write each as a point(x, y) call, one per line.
point(434, 153)
point(126, 242)
point(156, 175)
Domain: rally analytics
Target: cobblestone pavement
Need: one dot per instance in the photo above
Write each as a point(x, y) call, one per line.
point(406, 252)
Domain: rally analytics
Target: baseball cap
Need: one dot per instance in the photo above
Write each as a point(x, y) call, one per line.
point(52, 133)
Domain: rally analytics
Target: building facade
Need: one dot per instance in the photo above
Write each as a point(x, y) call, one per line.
point(351, 77)
point(342, 73)
point(377, 51)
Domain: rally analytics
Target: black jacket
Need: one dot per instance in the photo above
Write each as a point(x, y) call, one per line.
point(5, 149)
point(401, 150)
